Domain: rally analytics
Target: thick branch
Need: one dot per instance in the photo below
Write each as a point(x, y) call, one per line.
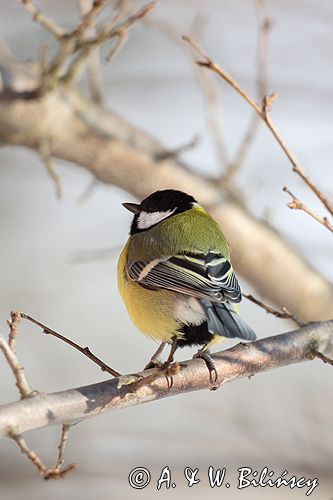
point(119, 154)
point(240, 361)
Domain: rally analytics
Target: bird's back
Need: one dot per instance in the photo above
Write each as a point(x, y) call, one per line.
point(164, 239)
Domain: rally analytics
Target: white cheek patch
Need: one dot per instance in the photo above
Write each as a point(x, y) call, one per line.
point(148, 219)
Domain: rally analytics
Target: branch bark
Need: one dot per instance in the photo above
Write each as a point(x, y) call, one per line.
point(243, 360)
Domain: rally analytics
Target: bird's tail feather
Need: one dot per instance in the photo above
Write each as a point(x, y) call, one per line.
point(222, 319)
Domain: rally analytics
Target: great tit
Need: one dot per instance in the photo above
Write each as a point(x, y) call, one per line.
point(176, 278)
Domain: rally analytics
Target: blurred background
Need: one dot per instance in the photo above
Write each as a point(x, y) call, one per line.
point(281, 419)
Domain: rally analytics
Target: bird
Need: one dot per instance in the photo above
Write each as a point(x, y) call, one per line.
point(176, 278)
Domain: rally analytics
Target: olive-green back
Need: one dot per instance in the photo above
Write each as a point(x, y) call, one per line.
point(192, 231)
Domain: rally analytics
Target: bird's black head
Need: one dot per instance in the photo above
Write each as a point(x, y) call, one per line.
point(157, 207)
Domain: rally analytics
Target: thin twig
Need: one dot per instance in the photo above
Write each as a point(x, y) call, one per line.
point(122, 38)
point(265, 24)
point(122, 8)
point(26, 391)
point(45, 153)
point(88, 191)
point(208, 63)
point(173, 153)
point(206, 83)
point(325, 359)
point(30, 454)
point(84, 350)
point(264, 112)
point(70, 42)
point(45, 472)
point(299, 205)
point(264, 27)
point(13, 322)
point(18, 371)
point(94, 70)
point(62, 445)
point(105, 34)
point(325, 201)
point(212, 108)
point(210, 92)
point(44, 49)
point(89, 17)
point(40, 18)
point(283, 314)
point(76, 43)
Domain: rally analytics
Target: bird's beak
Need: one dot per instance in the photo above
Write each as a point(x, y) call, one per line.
point(132, 207)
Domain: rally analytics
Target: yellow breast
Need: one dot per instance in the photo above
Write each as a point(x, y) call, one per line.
point(150, 310)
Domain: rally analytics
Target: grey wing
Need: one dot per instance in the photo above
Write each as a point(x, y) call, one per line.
point(209, 276)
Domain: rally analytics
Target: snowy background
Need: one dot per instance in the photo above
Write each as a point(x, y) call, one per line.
point(282, 419)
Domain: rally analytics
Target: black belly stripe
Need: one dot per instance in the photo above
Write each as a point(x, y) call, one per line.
point(194, 335)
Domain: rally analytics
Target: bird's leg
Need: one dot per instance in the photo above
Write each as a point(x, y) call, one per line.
point(166, 365)
point(155, 361)
point(206, 356)
point(173, 349)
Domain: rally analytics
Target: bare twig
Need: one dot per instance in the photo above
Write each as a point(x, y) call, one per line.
point(299, 205)
point(241, 153)
point(122, 8)
point(105, 34)
point(40, 18)
point(210, 92)
point(264, 28)
point(89, 17)
point(129, 390)
point(265, 24)
point(26, 392)
point(264, 113)
point(172, 153)
point(84, 350)
point(207, 84)
point(62, 445)
point(31, 455)
point(283, 314)
point(122, 38)
point(44, 49)
point(323, 198)
point(208, 63)
point(88, 191)
point(45, 153)
point(325, 359)
point(75, 47)
point(18, 371)
point(71, 43)
point(45, 472)
point(94, 69)
point(13, 322)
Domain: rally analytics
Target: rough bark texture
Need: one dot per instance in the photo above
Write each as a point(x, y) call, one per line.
point(119, 154)
point(240, 361)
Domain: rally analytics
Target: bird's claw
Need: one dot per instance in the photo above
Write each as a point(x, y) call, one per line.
point(170, 369)
point(213, 376)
